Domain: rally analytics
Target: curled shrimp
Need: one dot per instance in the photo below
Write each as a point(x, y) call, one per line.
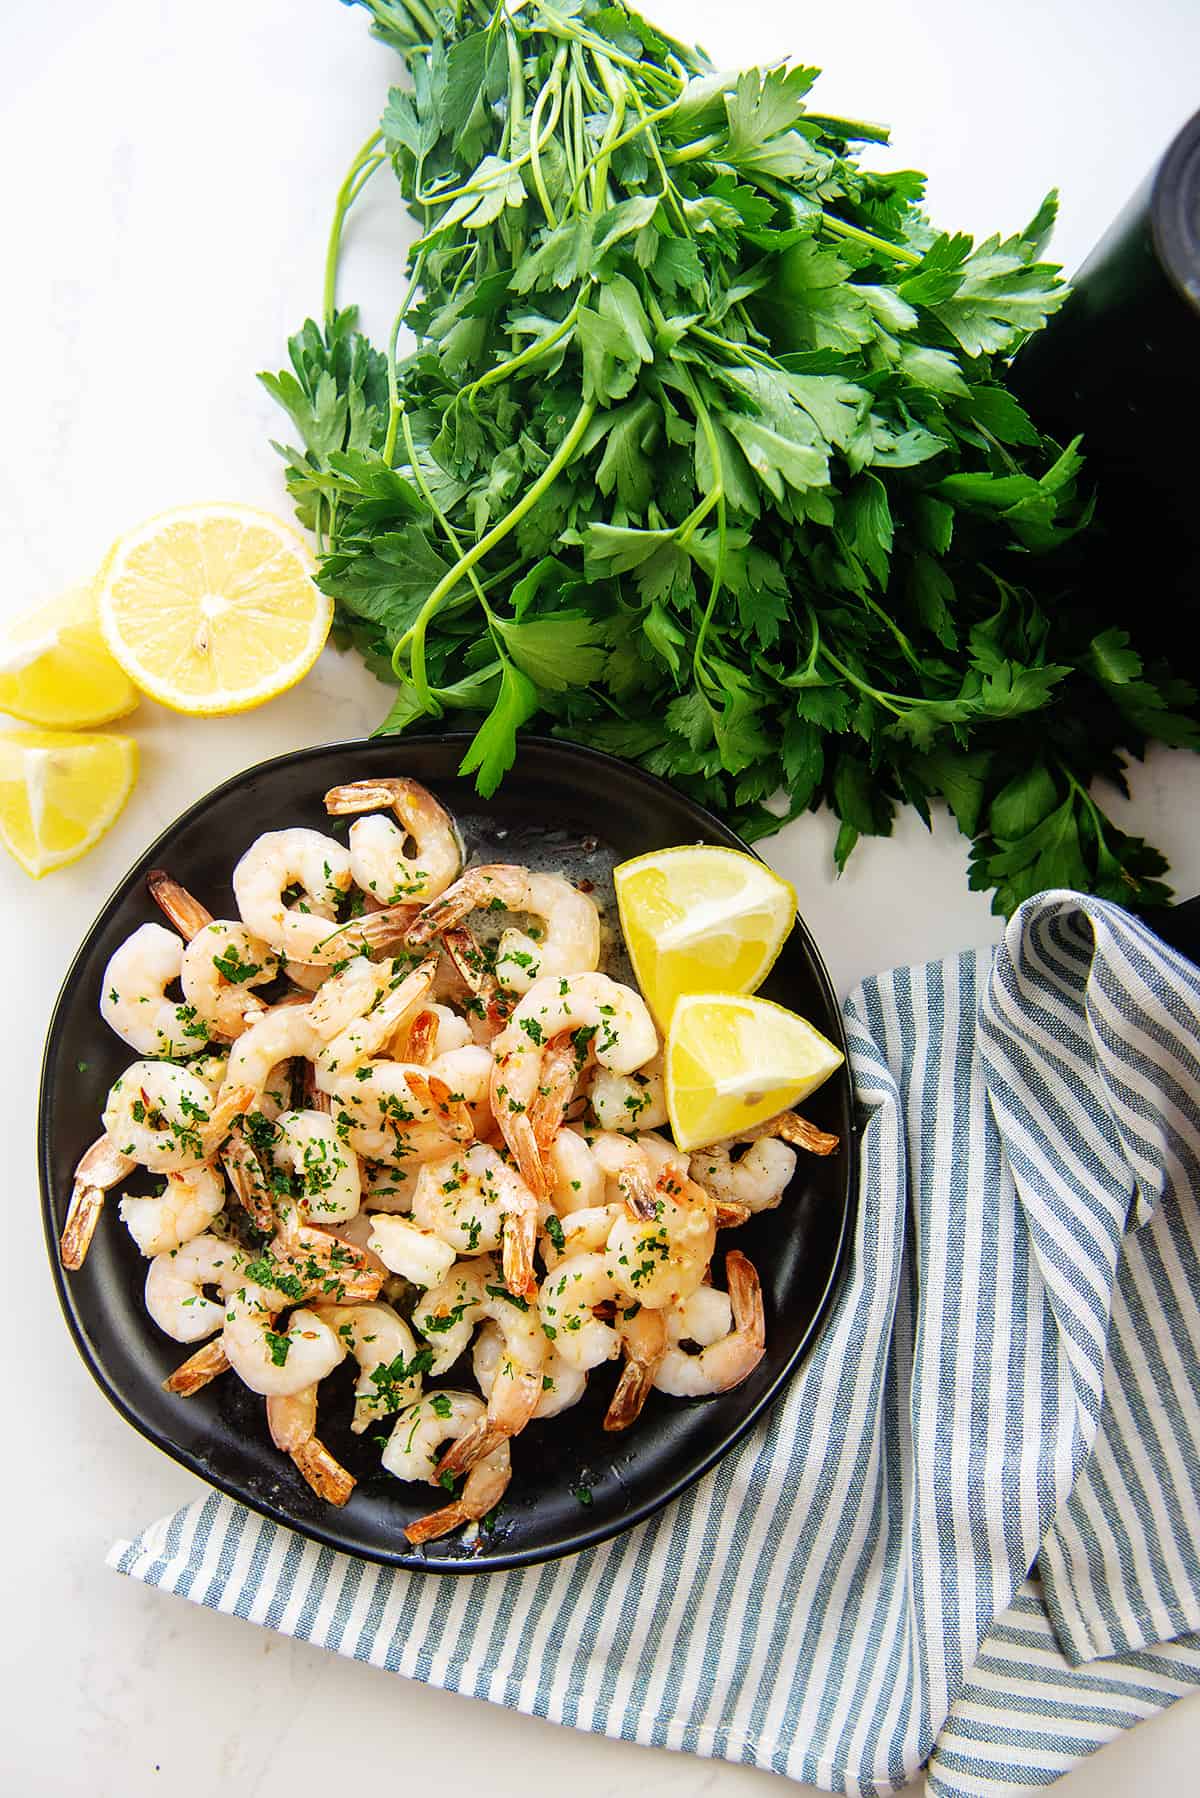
point(176, 1287)
point(281, 859)
point(732, 1357)
point(307, 1146)
point(757, 1182)
point(643, 1335)
point(413, 1452)
point(382, 1344)
point(192, 1198)
point(568, 1303)
point(562, 1384)
point(662, 1259)
point(279, 1036)
point(615, 1022)
point(378, 860)
point(166, 1118)
point(133, 999)
point(577, 1181)
point(471, 1292)
point(476, 1203)
point(368, 1032)
point(222, 963)
point(293, 1425)
point(277, 1363)
point(570, 939)
point(99, 1168)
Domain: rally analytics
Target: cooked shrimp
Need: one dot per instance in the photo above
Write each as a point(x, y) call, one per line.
point(293, 1424)
point(133, 999)
point(569, 1298)
point(629, 1162)
point(222, 961)
point(382, 1344)
point(408, 1250)
point(732, 1357)
point(612, 1017)
point(413, 1453)
point(307, 1146)
point(562, 1384)
point(207, 1364)
point(636, 1101)
point(661, 1260)
point(758, 1181)
point(306, 1263)
point(240, 1160)
point(191, 1199)
point(563, 1061)
point(176, 1282)
point(576, 1178)
point(378, 860)
point(99, 1167)
point(476, 1203)
point(319, 866)
point(578, 1233)
point(278, 1036)
point(384, 1010)
point(569, 942)
point(276, 1363)
point(211, 1067)
point(643, 1336)
point(450, 1313)
point(165, 1118)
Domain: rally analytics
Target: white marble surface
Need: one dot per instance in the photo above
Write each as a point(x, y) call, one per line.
point(167, 177)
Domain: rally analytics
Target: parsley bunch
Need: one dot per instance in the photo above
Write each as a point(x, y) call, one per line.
point(703, 454)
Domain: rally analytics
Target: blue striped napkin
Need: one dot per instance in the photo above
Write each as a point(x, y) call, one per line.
point(968, 1538)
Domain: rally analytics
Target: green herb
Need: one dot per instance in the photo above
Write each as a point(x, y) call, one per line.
point(440, 1405)
point(582, 1494)
point(703, 455)
point(230, 965)
point(278, 1345)
point(554, 1231)
point(511, 1298)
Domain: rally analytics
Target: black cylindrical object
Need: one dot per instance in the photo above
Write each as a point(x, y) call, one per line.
point(1121, 364)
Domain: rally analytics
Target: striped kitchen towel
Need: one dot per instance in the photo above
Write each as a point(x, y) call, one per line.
point(1009, 1381)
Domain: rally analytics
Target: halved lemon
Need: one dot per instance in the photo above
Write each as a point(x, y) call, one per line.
point(55, 669)
point(701, 919)
point(212, 609)
point(733, 1062)
point(59, 792)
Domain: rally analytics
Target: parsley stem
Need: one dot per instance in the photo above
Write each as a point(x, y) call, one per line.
point(855, 234)
point(415, 634)
point(347, 194)
point(394, 403)
point(551, 89)
point(530, 353)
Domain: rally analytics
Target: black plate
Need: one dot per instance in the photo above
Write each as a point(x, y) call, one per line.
point(561, 806)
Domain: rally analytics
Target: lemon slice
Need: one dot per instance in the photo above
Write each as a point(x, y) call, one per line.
point(701, 919)
point(59, 792)
point(55, 670)
point(212, 609)
point(733, 1062)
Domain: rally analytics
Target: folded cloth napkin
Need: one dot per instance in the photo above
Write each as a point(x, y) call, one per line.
point(1010, 1376)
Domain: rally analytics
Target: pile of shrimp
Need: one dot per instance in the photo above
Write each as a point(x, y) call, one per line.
point(399, 1114)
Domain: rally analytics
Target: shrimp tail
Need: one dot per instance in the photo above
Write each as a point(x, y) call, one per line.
point(361, 796)
point(789, 1126)
point(519, 1245)
point(637, 1190)
point(421, 1046)
point(177, 904)
point(246, 1176)
point(730, 1214)
point(474, 1445)
point(453, 1115)
point(437, 1523)
point(83, 1214)
point(632, 1390)
point(205, 1365)
point(745, 1295)
point(324, 1473)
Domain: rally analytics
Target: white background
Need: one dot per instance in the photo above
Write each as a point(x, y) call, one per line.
point(167, 174)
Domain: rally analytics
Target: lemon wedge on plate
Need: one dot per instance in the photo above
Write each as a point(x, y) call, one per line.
point(701, 919)
point(59, 793)
point(733, 1062)
point(212, 609)
point(55, 669)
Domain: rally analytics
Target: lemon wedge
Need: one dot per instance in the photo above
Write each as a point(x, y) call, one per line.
point(55, 669)
point(701, 919)
point(59, 792)
point(733, 1062)
point(212, 609)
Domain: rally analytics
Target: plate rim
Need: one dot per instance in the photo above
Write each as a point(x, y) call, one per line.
point(411, 1560)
